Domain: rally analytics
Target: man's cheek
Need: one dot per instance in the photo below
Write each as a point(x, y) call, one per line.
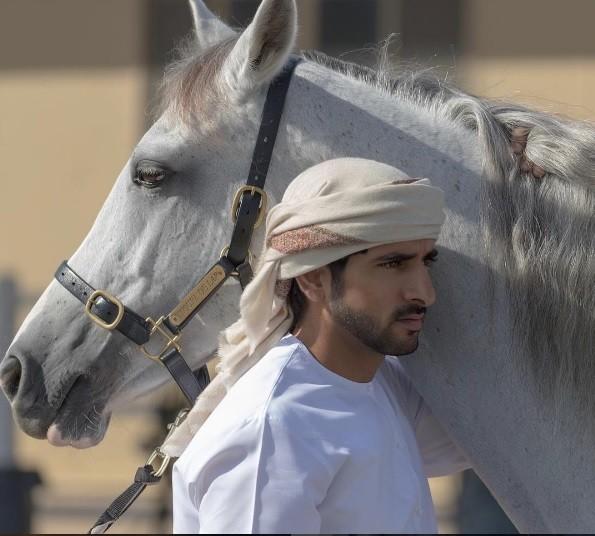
point(358, 299)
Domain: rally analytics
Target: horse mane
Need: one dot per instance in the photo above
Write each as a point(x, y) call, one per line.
point(539, 233)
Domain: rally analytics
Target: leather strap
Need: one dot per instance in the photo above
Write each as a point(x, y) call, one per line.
point(245, 273)
point(132, 325)
point(261, 159)
point(144, 477)
point(136, 329)
point(190, 383)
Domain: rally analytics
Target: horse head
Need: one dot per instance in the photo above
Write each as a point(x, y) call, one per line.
point(162, 226)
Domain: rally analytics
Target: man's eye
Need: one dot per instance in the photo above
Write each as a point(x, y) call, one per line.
point(392, 264)
point(428, 261)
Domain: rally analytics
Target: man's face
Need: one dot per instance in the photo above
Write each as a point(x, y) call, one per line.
point(382, 295)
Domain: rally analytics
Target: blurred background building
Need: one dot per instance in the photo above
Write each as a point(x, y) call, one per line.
point(78, 80)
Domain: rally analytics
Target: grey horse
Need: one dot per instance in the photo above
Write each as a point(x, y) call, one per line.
point(506, 361)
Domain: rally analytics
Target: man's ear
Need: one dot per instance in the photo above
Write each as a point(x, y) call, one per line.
point(209, 29)
point(315, 284)
point(263, 48)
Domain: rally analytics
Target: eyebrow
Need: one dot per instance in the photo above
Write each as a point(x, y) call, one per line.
point(402, 257)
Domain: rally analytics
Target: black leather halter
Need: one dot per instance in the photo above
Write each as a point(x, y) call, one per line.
point(248, 211)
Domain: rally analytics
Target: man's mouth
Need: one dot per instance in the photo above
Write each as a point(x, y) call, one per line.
point(412, 322)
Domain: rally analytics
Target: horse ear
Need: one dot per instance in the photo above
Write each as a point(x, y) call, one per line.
point(263, 48)
point(209, 29)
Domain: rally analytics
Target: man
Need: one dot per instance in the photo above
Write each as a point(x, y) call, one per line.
point(318, 431)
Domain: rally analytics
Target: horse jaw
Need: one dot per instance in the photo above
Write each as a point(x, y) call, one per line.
point(262, 49)
point(209, 29)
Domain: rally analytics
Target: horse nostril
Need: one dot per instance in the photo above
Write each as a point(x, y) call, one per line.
point(10, 376)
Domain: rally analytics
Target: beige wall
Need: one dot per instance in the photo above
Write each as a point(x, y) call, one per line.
point(538, 52)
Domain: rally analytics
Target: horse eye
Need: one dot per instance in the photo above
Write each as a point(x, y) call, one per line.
point(149, 175)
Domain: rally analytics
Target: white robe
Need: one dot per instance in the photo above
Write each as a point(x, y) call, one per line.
point(296, 448)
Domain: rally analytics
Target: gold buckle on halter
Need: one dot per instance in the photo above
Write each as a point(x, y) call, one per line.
point(262, 208)
point(158, 453)
point(107, 297)
point(172, 341)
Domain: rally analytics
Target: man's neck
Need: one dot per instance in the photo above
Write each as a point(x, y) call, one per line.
point(338, 350)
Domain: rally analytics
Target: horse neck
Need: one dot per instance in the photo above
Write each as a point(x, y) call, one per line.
point(332, 115)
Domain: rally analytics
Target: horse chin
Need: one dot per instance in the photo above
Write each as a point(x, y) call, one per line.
point(82, 418)
point(57, 438)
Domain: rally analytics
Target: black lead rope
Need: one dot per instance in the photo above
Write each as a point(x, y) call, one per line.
point(144, 477)
point(248, 212)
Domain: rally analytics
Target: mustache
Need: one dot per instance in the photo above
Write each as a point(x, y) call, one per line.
point(407, 310)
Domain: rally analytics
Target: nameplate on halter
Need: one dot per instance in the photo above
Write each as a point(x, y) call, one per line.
point(214, 277)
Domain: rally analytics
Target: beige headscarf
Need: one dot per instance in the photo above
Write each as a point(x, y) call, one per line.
point(329, 211)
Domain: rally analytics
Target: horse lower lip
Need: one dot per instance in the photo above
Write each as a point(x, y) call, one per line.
point(55, 438)
point(76, 424)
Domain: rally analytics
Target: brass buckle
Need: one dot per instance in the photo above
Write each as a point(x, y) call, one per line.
point(262, 208)
point(157, 453)
point(108, 297)
point(165, 459)
point(172, 341)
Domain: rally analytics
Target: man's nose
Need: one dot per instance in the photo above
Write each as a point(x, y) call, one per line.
point(419, 288)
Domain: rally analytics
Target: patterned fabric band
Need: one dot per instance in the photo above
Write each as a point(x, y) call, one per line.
point(303, 239)
point(331, 210)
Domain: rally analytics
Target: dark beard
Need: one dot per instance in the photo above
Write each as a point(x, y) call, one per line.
point(367, 330)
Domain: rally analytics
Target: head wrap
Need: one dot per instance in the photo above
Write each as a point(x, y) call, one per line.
point(329, 211)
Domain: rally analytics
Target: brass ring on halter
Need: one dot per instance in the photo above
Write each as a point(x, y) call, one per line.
point(169, 341)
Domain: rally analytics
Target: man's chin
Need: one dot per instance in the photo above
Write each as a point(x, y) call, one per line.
point(405, 344)
point(407, 351)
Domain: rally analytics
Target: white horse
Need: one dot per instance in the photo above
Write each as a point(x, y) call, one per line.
point(506, 361)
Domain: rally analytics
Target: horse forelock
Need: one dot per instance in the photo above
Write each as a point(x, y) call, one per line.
point(539, 234)
point(190, 83)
